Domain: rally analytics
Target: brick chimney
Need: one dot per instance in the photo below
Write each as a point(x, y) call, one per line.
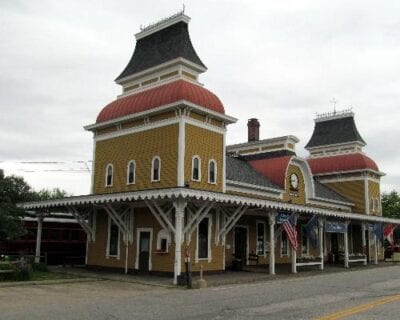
point(253, 127)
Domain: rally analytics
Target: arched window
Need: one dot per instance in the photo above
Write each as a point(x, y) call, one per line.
point(109, 175)
point(212, 172)
point(196, 168)
point(131, 172)
point(156, 169)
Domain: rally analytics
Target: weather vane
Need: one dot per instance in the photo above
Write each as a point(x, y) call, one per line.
point(334, 102)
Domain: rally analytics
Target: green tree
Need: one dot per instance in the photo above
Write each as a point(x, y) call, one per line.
point(14, 190)
point(48, 194)
point(391, 204)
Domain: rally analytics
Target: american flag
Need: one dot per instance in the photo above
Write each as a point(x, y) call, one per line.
point(291, 232)
point(388, 233)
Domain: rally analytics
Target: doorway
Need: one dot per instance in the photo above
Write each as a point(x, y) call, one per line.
point(241, 245)
point(144, 251)
point(334, 248)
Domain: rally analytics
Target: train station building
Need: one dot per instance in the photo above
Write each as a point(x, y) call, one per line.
point(166, 187)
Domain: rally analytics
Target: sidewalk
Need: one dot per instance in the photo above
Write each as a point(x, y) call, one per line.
point(149, 280)
point(251, 274)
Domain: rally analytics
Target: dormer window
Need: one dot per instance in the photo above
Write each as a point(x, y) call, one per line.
point(156, 169)
point(131, 172)
point(212, 172)
point(196, 168)
point(109, 175)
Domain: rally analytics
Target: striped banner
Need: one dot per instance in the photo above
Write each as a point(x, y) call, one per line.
point(291, 232)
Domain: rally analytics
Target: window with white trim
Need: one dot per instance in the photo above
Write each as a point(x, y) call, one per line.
point(196, 168)
point(284, 244)
point(162, 240)
point(109, 175)
point(131, 172)
point(260, 238)
point(156, 169)
point(113, 239)
point(212, 171)
point(203, 238)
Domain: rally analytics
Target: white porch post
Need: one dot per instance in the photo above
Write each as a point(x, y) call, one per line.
point(321, 242)
point(272, 243)
point(294, 252)
point(39, 238)
point(346, 247)
point(364, 241)
point(179, 205)
point(375, 249)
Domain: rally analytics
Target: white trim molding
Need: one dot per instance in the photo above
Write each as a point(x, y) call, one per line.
point(152, 169)
point(110, 165)
point(108, 255)
point(215, 172)
point(128, 171)
point(196, 157)
point(138, 231)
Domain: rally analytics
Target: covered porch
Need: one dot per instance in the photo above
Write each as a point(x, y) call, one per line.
point(150, 223)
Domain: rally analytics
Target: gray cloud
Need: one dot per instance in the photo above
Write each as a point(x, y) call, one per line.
point(279, 61)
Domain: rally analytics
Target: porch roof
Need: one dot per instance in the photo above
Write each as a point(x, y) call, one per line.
point(186, 193)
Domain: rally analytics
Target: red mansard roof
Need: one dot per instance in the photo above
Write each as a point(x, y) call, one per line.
point(159, 96)
point(273, 168)
point(339, 163)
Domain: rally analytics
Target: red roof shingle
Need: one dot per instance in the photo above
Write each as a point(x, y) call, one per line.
point(159, 96)
point(273, 168)
point(340, 163)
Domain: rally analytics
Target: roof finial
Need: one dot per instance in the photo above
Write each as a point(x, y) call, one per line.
point(183, 10)
point(334, 101)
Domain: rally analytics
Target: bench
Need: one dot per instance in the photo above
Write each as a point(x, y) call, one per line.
point(6, 271)
point(253, 257)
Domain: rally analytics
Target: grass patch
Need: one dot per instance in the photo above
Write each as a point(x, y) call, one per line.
point(37, 275)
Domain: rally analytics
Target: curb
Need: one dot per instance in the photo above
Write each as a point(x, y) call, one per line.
point(44, 282)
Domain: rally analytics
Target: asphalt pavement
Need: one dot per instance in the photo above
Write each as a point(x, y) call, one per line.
point(372, 293)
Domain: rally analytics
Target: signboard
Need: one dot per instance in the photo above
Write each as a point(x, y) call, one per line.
point(335, 227)
point(282, 216)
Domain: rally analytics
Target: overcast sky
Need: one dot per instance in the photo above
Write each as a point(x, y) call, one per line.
point(279, 61)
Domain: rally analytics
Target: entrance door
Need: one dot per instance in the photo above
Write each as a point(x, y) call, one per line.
point(144, 251)
point(241, 244)
point(334, 247)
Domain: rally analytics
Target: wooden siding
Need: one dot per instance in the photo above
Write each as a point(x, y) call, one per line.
point(207, 145)
point(352, 190)
point(141, 147)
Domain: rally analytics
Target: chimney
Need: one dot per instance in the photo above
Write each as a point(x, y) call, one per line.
point(253, 127)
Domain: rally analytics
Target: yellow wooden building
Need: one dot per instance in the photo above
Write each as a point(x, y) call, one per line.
point(165, 186)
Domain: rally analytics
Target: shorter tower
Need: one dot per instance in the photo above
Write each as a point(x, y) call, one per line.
point(338, 161)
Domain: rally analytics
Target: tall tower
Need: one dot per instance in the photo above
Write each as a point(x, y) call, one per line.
point(337, 160)
point(165, 129)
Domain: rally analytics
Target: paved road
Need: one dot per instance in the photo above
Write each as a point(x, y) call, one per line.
point(366, 294)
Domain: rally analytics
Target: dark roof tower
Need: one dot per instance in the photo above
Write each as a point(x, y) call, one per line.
point(163, 44)
point(333, 129)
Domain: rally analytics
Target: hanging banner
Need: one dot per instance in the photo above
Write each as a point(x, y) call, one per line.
point(282, 217)
point(335, 227)
point(370, 227)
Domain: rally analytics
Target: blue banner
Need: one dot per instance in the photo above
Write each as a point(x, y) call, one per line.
point(282, 216)
point(312, 231)
point(335, 227)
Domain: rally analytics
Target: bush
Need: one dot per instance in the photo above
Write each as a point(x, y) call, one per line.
point(18, 273)
point(39, 267)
